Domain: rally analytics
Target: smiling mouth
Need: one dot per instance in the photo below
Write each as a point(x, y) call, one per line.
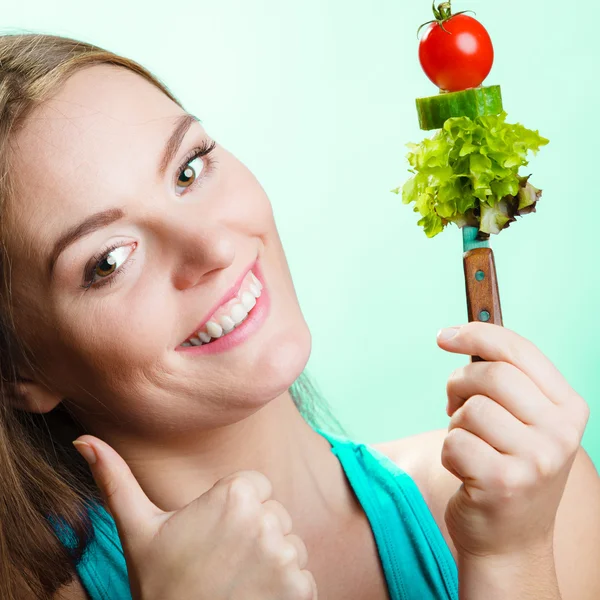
point(230, 315)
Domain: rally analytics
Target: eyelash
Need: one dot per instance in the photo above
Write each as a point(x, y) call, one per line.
point(203, 150)
point(88, 281)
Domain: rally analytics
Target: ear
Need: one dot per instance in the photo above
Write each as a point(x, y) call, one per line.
point(34, 397)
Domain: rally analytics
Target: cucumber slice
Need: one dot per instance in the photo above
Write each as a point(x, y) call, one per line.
point(474, 102)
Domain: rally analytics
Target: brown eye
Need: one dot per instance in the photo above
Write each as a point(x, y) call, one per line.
point(190, 173)
point(110, 263)
point(106, 267)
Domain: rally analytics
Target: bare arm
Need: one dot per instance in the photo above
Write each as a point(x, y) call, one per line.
point(576, 547)
point(573, 564)
point(530, 576)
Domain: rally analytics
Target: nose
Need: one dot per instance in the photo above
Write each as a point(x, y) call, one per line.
point(197, 249)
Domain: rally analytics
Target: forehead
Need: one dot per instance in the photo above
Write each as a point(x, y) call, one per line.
point(87, 148)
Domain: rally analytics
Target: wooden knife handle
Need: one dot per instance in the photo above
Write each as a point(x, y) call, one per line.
point(481, 282)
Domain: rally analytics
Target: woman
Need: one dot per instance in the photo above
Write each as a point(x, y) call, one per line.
point(147, 303)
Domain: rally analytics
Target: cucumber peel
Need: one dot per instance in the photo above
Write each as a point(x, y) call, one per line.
point(434, 111)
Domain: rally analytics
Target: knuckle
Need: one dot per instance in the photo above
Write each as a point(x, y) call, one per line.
point(270, 542)
point(301, 549)
point(254, 479)
point(240, 489)
point(284, 516)
point(511, 480)
point(503, 485)
point(585, 412)
point(287, 556)
point(112, 482)
point(476, 404)
point(450, 447)
point(581, 408)
point(455, 377)
point(451, 441)
point(275, 506)
point(240, 498)
point(470, 412)
point(303, 586)
point(447, 461)
point(284, 512)
point(569, 438)
point(470, 330)
point(520, 350)
point(262, 480)
point(545, 464)
point(585, 407)
point(268, 522)
point(498, 373)
point(110, 487)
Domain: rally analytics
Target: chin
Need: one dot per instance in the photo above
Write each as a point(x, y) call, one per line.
point(275, 371)
point(291, 358)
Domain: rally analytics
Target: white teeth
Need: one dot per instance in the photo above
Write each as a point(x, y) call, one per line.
point(256, 281)
point(204, 337)
point(214, 329)
point(238, 313)
point(227, 324)
point(248, 301)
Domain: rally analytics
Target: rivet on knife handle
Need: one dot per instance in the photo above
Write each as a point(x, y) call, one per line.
point(483, 297)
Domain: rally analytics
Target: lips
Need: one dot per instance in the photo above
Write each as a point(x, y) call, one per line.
point(230, 311)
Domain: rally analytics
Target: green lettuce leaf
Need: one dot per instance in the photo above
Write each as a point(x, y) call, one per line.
point(468, 174)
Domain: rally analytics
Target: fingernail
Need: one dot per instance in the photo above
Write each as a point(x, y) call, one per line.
point(447, 334)
point(86, 451)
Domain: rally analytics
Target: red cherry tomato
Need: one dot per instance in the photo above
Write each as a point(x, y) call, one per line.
point(459, 59)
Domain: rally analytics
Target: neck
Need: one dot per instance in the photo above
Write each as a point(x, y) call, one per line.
point(275, 441)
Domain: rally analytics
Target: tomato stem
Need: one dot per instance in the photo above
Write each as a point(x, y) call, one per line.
point(442, 14)
point(444, 10)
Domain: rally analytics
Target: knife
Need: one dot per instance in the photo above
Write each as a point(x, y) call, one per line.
point(481, 281)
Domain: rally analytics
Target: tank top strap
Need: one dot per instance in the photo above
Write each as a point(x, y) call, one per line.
point(102, 569)
point(416, 560)
point(415, 557)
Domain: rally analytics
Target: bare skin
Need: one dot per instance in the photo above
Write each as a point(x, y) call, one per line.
point(183, 422)
point(577, 524)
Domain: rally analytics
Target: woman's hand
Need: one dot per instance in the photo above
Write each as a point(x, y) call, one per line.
point(516, 426)
point(231, 543)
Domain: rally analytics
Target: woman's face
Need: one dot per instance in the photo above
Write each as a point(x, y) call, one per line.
point(118, 258)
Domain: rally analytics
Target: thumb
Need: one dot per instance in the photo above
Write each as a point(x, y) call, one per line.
point(131, 509)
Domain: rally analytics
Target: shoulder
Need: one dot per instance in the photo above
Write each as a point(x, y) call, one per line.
point(417, 455)
point(420, 457)
point(577, 529)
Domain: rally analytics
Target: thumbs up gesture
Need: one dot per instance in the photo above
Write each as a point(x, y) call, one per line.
point(232, 543)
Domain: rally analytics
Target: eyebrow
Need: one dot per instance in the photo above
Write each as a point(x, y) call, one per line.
point(87, 226)
point(108, 217)
point(174, 142)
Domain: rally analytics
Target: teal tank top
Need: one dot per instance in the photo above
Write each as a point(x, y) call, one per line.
point(416, 560)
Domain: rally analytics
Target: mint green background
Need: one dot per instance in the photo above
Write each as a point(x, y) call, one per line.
point(317, 98)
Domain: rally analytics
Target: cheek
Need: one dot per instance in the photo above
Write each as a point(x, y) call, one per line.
point(120, 337)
